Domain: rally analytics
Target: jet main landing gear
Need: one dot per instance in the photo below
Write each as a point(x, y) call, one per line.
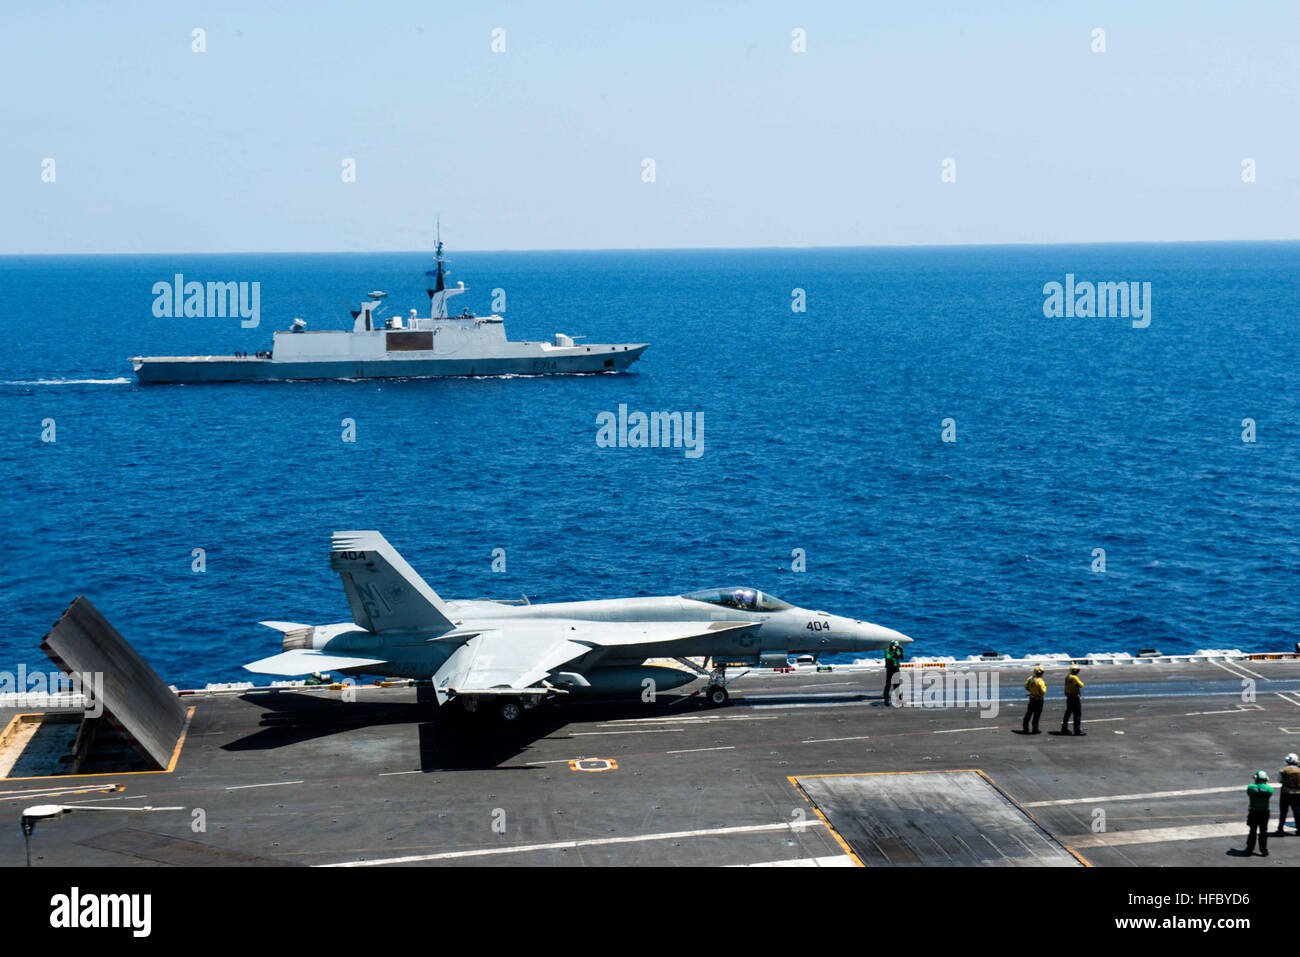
point(511, 709)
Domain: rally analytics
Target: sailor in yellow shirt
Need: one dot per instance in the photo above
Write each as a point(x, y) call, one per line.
point(1037, 689)
point(1289, 799)
point(1073, 701)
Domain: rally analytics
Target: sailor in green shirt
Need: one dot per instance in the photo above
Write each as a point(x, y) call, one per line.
point(1259, 794)
point(893, 663)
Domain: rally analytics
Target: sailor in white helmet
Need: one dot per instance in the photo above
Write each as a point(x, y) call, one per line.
point(1290, 796)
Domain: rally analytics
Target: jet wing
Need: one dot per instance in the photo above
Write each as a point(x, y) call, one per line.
point(496, 661)
point(517, 655)
point(305, 661)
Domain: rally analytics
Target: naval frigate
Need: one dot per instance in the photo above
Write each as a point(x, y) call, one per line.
point(398, 347)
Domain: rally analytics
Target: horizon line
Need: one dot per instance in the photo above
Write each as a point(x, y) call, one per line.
point(652, 249)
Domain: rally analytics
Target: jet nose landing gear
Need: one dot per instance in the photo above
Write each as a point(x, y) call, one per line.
point(716, 694)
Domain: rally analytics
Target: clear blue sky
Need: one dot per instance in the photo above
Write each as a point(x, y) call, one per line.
point(159, 149)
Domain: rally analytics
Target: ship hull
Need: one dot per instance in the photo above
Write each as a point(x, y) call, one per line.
point(157, 370)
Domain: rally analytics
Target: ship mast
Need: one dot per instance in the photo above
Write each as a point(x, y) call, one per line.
point(439, 293)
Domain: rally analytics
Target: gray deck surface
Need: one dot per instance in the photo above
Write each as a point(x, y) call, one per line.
point(306, 778)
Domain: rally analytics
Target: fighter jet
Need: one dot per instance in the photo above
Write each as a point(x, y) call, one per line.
point(515, 655)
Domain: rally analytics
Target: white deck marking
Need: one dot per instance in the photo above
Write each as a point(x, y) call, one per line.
point(750, 696)
point(389, 774)
point(820, 684)
point(729, 747)
point(1248, 671)
point(585, 842)
point(695, 717)
point(592, 734)
point(812, 704)
point(1151, 795)
point(272, 784)
point(101, 800)
point(1239, 673)
point(56, 791)
point(1283, 696)
point(836, 860)
point(1160, 835)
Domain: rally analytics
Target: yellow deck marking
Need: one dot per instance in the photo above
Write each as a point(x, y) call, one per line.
point(171, 765)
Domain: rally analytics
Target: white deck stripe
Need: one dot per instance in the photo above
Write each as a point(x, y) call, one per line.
point(1160, 835)
point(1221, 666)
point(272, 784)
point(25, 793)
point(592, 734)
point(102, 800)
point(586, 842)
point(1151, 795)
point(683, 719)
point(750, 696)
point(1248, 671)
point(1233, 670)
point(837, 860)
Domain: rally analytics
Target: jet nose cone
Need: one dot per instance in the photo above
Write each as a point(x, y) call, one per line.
point(878, 634)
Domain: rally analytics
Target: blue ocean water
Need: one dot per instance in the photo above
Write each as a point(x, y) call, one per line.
point(822, 432)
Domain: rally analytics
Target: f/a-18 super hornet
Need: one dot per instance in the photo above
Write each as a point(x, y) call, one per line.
point(514, 655)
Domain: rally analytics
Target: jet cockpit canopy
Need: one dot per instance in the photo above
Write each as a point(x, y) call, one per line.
point(741, 598)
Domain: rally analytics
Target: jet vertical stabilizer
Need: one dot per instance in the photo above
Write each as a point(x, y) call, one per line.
point(384, 592)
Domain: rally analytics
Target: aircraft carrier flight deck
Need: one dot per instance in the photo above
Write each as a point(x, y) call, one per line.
point(802, 768)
